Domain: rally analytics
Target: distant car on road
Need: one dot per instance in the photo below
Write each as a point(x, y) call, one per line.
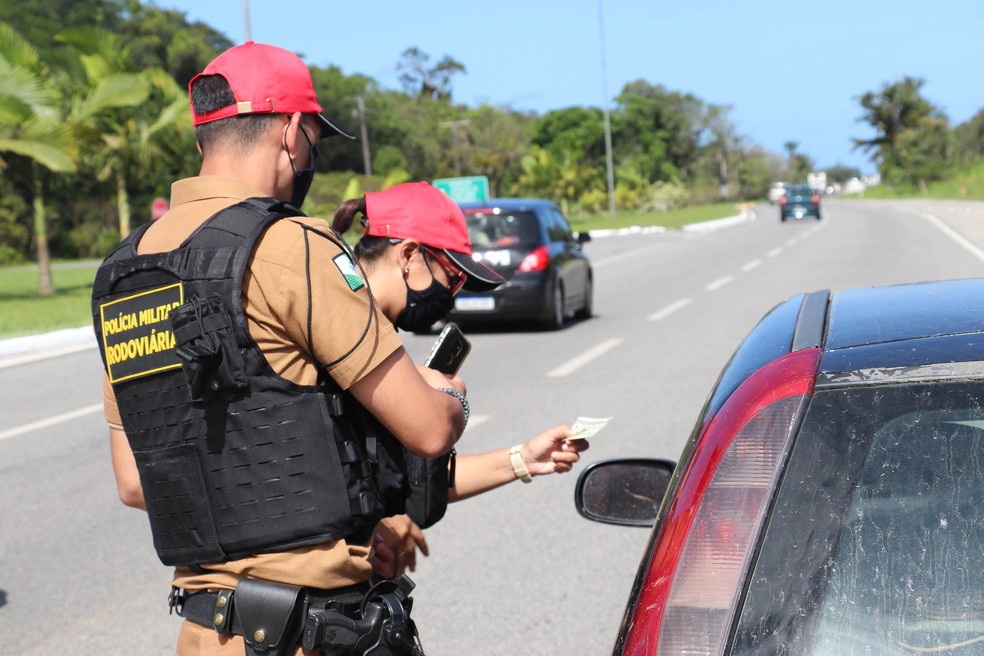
point(529, 242)
point(829, 499)
point(776, 191)
point(799, 202)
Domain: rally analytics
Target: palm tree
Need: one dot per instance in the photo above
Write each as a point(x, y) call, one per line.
point(128, 119)
point(30, 127)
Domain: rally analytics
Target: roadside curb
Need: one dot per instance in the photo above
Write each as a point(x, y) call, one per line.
point(70, 338)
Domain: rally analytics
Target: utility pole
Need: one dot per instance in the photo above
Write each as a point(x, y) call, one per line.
point(246, 17)
point(454, 141)
point(364, 131)
point(608, 124)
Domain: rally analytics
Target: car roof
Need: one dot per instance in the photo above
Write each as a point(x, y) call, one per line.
point(898, 326)
point(871, 335)
point(877, 315)
point(513, 204)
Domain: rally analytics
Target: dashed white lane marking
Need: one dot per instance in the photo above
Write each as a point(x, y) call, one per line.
point(751, 265)
point(50, 421)
point(574, 364)
point(955, 236)
point(791, 242)
point(775, 251)
point(719, 283)
point(661, 314)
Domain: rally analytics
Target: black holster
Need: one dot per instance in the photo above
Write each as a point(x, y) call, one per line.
point(383, 628)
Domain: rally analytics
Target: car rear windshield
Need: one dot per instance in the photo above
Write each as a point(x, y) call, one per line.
point(876, 542)
point(490, 230)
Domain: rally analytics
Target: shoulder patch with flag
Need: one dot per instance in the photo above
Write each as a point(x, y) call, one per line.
point(347, 268)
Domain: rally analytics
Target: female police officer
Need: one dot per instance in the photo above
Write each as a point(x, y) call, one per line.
point(235, 372)
point(416, 254)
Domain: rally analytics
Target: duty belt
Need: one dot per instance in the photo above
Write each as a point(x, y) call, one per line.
point(273, 618)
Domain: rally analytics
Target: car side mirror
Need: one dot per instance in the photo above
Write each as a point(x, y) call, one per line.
point(625, 491)
point(583, 237)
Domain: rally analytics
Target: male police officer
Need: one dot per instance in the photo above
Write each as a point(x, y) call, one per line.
point(239, 346)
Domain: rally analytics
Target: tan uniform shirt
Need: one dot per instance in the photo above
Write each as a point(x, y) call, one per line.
point(275, 301)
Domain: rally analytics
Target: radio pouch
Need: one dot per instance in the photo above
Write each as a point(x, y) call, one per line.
point(206, 344)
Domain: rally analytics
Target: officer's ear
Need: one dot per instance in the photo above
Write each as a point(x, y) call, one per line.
point(406, 250)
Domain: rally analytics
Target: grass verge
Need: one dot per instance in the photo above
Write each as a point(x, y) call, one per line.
point(671, 219)
point(24, 312)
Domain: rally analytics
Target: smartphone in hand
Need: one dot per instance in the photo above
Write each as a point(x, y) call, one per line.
point(449, 351)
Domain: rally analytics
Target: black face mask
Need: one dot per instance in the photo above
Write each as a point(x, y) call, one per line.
point(302, 179)
point(425, 308)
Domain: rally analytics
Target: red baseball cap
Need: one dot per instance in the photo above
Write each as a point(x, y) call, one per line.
point(416, 210)
point(265, 79)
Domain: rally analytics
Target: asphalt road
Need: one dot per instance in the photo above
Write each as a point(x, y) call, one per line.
point(514, 571)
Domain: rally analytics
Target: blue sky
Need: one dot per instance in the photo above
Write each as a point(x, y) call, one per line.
point(792, 71)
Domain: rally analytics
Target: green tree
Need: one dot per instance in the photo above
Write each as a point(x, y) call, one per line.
point(163, 38)
point(922, 153)
point(124, 127)
point(497, 139)
point(798, 165)
point(657, 130)
point(757, 170)
point(422, 79)
point(892, 112)
point(31, 127)
point(968, 140)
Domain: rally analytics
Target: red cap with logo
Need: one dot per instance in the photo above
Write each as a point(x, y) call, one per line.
point(416, 210)
point(265, 79)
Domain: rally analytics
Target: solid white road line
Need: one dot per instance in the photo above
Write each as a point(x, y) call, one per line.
point(751, 265)
point(719, 283)
point(585, 358)
point(50, 421)
point(955, 236)
point(661, 314)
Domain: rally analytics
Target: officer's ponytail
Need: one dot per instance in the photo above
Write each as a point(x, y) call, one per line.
point(368, 249)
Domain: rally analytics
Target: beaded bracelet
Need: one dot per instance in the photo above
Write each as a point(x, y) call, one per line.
point(461, 397)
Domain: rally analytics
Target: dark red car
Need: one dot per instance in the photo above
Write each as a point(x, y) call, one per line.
point(831, 497)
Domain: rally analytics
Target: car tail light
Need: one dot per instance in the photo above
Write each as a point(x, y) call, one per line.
point(816, 198)
point(688, 597)
point(782, 200)
point(536, 260)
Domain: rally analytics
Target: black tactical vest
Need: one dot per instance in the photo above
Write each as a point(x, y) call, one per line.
point(233, 459)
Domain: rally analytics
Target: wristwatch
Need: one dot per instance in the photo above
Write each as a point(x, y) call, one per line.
point(518, 464)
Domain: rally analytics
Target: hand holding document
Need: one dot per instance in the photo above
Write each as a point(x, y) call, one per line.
point(586, 427)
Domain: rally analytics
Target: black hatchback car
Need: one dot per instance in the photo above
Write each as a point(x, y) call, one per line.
point(831, 497)
point(529, 242)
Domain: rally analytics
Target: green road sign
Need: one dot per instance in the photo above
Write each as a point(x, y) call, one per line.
point(465, 190)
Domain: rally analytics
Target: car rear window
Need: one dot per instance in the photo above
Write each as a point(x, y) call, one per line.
point(876, 542)
point(490, 230)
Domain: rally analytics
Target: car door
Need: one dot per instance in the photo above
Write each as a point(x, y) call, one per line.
point(571, 262)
